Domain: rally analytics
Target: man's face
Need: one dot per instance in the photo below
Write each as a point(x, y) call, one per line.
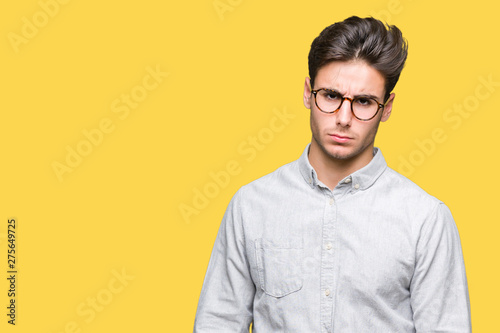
point(340, 135)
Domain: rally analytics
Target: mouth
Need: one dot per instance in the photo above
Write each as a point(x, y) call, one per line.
point(340, 138)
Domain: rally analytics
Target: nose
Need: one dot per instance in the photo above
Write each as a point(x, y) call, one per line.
point(344, 114)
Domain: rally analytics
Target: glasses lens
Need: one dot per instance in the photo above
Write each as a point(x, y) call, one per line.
point(328, 101)
point(364, 107)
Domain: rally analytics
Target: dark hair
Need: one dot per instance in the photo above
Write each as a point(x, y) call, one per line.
point(379, 45)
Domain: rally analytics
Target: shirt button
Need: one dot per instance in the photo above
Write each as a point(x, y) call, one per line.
point(347, 181)
point(329, 246)
point(327, 292)
point(356, 186)
point(331, 201)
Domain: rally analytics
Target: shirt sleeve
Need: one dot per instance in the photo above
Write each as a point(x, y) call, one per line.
point(439, 292)
point(226, 299)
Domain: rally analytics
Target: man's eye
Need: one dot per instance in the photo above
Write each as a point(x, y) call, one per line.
point(332, 95)
point(364, 101)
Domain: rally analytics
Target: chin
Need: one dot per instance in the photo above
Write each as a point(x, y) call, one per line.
point(341, 152)
point(343, 156)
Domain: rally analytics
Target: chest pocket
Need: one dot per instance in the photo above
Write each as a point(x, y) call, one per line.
point(279, 265)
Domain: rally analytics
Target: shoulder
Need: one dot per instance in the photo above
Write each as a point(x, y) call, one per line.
point(402, 195)
point(284, 176)
point(422, 215)
point(406, 189)
point(417, 204)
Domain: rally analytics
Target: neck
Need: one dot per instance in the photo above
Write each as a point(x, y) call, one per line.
point(332, 170)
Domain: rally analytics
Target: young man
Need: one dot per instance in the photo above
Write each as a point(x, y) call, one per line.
point(337, 241)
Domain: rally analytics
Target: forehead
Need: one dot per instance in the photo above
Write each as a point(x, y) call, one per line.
point(350, 78)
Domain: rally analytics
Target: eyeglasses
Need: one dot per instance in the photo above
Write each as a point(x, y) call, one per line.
point(362, 107)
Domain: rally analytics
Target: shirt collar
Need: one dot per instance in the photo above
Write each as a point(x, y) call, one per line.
point(358, 180)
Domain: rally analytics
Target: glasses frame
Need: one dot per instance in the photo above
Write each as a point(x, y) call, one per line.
point(380, 105)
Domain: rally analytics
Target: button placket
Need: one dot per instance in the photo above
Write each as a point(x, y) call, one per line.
point(328, 259)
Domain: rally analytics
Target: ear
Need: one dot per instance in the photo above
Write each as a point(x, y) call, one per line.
point(307, 93)
point(388, 108)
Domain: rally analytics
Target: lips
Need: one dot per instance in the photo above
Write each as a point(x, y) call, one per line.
point(340, 138)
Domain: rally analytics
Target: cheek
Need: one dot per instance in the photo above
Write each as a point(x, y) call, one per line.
point(315, 123)
point(370, 132)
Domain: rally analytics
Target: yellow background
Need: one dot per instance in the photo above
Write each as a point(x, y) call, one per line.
point(119, 209)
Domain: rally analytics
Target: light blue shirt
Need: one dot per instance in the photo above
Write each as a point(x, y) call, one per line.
point(376, 254)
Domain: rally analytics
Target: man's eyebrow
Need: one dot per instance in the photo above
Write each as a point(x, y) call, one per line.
point(368, 95)
point(359, 95)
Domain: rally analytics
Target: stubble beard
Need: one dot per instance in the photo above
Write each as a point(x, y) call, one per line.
point(347, 156)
